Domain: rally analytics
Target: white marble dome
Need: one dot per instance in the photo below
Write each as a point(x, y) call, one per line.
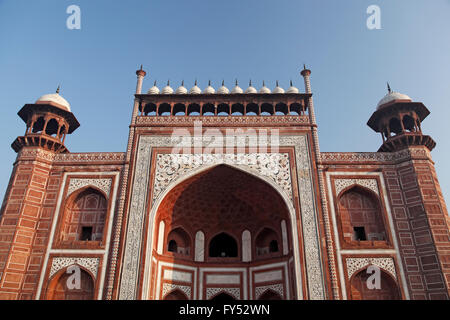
point(181, 89)
point(167, 89)
point(55, 98)
point(209, 89)
point(391, 96)
point(223, 89)
point(237, 89)
point(153, 90)
point(195, 89)
point(251, 89)
point(264, 89)
point(292, 89)
point(278, 89)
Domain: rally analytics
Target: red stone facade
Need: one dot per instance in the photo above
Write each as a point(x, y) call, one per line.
point(271, 219)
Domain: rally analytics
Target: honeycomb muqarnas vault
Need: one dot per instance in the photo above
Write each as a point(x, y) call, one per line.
point(276, 219)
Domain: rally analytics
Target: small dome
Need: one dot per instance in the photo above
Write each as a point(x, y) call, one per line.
point(223, 89)
point(264, 89)
point(167, 89)
point(251, 89)
point(278, 89)
point(237, 89)
point(195, 89)
point(391, 96)
point(153, 90)
point(209, 89)
point(55, 98)
point(292, 89)
point(181, 89)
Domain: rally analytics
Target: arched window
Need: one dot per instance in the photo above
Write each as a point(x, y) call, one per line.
point(60, 290)
point(252, 109)
point(360, 216)
point(38, 126)
point(266, 242)
point(386, 289)
point(84, 217)
point(164, 109)
point(52, 127)
point(179, 109)
point(409, 123)
point(223, 245)
point(395, 126)
point(179, 242)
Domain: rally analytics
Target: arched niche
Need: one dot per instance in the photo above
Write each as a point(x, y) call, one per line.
point(175, 295)
point(223, 246)
point(360, 216)
point(179, 242)
point(84, 217)
point(63, 286)
point(363, 287)
point(222, 297)
point(267, 243)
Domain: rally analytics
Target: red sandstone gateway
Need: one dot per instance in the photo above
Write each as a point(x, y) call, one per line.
point(278, 219)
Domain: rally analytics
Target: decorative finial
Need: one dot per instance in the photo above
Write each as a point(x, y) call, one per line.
point(58, 89)
point(182, 83)
point(168, 83)
point(154, 84)
point(195, 82)
point(223, 83)
point(277, 84)
point(291, 83)
point(209, 83)
point(264, 83)
point(304, 66)
point(250, 83)
point(141, 67)
point(236, 82)
point(389, 88)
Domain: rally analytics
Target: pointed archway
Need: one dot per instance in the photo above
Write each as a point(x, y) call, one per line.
point(227, 203)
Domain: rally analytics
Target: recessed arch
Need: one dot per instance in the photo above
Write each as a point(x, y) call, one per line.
point(252, 109)
point(194, 109)
point(363, 287)
point(223, 109)
point(179, 109)
point(269, 294)
point(60, 285)
point(164, 109)
point(208, 109)
point(360, 216)
point(223, 245)
point(298, 287)
point(223, 297)
point(176, 294)
point(237, 109)
point(179, 242)
point(281, 109)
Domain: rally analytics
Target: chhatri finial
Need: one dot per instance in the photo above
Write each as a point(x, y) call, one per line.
point(290, 83)
point(209, 83)
point(182, 83)
point(154, 84)
point(236, 82)
point(195, 82)
point(223, 83)
point(389, 88)
point(141, 69)
point(304, 66)
point(58, 89)
point(250, 83)
point(277, 83)
point(264, 83)
point(168, 83)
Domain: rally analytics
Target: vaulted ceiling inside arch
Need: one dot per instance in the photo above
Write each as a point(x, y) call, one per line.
point(223, 199)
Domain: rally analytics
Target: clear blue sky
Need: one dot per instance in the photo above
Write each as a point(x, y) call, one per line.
point(207, 39)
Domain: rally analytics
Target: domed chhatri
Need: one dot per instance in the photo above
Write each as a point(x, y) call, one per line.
point(250, 88)
point(209, 89)
point(181, 89)
point(223, 89)
point(153, 90)
point(55, 98)
point(278, 89)
point(167, 89)
point(195, 89)
point(237, 89)
point(292, 89)
point(264, 89)
point(392, 96)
